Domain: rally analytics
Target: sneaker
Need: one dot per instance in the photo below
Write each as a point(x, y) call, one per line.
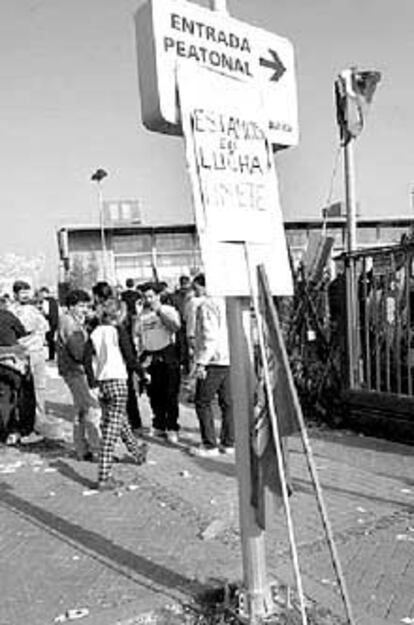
point(13, 439)
point(227, 449)
point(31, 439)
point(156, 433)
point(204, 452)
point(172, 436)
point(109, 484)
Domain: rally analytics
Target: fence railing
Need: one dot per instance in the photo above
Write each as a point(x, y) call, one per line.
point(380, 312)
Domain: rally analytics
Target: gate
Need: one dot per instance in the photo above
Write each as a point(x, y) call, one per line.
point(380, 335)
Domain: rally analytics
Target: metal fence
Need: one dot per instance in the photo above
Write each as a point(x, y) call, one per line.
point(380, 315)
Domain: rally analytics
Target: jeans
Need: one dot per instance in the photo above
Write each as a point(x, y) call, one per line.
point(38, 369)
point(216, 382)
point(164, 389)
point(86, 430)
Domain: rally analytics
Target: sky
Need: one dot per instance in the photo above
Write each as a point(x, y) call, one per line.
point(69, 103)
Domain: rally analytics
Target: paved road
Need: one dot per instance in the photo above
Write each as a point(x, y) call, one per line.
point(122, 555)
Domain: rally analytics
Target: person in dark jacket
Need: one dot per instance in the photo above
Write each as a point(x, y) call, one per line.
point(49, 307)
point(11, 328)
point(71, 343)
point(17, 396)
point(180, 299)
point(129, 297)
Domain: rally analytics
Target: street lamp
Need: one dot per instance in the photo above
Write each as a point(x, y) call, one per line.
point(97, 177)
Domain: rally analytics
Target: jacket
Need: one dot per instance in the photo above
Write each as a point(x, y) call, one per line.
point(211, 343)
point(71, 340)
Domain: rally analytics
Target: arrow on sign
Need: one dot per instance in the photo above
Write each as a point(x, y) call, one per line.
point(275, 64)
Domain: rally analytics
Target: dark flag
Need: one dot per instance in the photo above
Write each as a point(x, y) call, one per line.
point(354, 90)
point(264, 465)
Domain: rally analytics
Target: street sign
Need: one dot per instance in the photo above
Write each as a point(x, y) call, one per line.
point(171, 31)
point(234, 183)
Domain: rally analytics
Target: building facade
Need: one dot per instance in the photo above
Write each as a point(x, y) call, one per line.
point(89, 253)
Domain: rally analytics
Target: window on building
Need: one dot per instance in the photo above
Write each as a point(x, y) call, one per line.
point(367, 236)
point(138, 266)
point(131, 243)
point(297, 238)
point(391, 235)
point(174, 241)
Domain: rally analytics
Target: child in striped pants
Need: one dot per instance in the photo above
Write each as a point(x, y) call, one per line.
point(110, 348)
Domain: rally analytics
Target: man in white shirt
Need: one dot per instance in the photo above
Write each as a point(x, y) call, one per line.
point(36, 327)
point(157, 327)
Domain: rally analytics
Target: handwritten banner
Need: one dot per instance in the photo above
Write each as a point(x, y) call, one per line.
point(234, 182)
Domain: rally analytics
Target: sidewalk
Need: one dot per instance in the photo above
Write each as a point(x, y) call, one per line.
point(172, 532)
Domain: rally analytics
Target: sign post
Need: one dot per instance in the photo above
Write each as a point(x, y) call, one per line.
point(236, 202)
point(257, 597)
point(229, 130)
point(259, 602)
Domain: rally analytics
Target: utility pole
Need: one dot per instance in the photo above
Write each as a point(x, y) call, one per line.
point(97, 177)
point(351, 246)
point(350, 195)
point(354, 91)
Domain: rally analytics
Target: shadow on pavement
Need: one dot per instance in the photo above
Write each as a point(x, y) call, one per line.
point(69, 472)
point(395, 476)
point(48, 448)
point(356, 441)
point(215, 465)
point(152, 576)
point(303, 486)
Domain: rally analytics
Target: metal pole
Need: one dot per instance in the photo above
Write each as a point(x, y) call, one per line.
point(349, 163)
point(102, 229)
point(97, 177)
point(259, 602)
point(350, 201)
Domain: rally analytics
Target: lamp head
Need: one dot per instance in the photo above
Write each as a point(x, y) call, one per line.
point(99, 175)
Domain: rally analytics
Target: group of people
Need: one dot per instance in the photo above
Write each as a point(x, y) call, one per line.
point(111, 348)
